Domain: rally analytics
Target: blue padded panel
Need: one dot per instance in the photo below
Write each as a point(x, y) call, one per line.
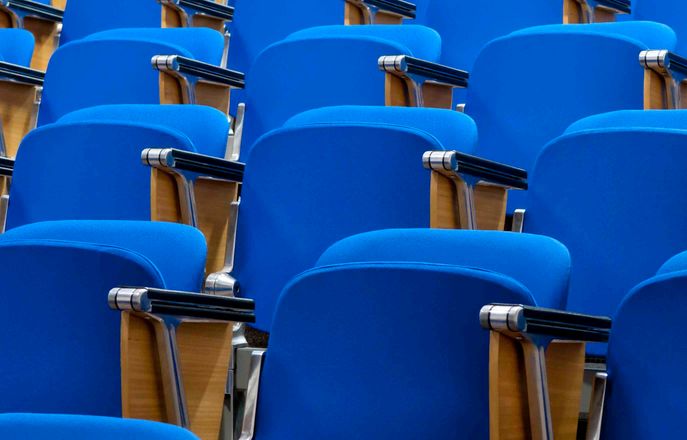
point(203, 44)
point(581, 73)
point(677, 263)
point(86, 171)
point(63, 427)
point(60, 341)
point(612, 199)
point(342, 343)
point(676, 119)
point(181, 266)
point(511, 254)
point(206, 127)
point(669, 12)
point(16, 46)
point(79, 75)
point(454, 130)
point(287, 79)
point(421, 41)
point(646, 363)
point(85, 17)
point(306, 188)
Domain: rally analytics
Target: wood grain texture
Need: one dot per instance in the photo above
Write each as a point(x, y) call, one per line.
point(45, 34)
point(490, 205)
point(17, 109)
point(204, 350)
point(171, 91)
point(395, 91)
point(442, 203)
point(509, 414)
point(213, 95)
point(655, 96)
point(437, 95)
point(353, 15)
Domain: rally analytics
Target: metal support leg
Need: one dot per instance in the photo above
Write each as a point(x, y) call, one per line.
point(537, 390)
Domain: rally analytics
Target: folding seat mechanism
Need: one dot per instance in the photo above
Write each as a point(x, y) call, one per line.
point(382, 11)
point(422, 82)
point(535, 328)
point(167, 310)
point(466, 172)
point(20, 9)
point(594, 11)
point(665, 74)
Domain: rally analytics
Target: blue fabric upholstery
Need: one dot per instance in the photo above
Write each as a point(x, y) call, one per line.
point(669, 12)
point(510, 254)
point(342, 343)
point(206, 127)
point(16, 46)
point(86, 171)
point(77, 71)
point(454, 130)
point(146, 238)
point(287, 80)
point(676, 119)
point(305, 188)
point(612, 197)
point(85, 17)
point(646, 361)
point(64, 427)
point(584, 70)
point(678, 263)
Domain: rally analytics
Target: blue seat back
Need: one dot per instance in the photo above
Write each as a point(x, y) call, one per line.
point(669, 12)
point(306, 188)
point(86, 171)
point(613, 198)
point(85, 17)
point(646, 359)
point(287, 79)
point(16, 46)
point(342, 343)
point(526, 88)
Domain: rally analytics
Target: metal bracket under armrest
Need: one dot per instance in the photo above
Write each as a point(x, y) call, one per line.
point(370, 8)
point(596, 409)
point(467, 171)
point(672, 68)
point(251, 407)
point(21, 9)
point(168, 309)
point(416, 72)
point(187, 167)
point(536, 328)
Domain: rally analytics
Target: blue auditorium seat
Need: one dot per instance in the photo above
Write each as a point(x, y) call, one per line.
point(65, 427)
point(114, 67)
point(351, 335)
point(646, 358)
point(612, 196)
point(668, 12)
point(56, 322)
point(16, 46)
point(287, 77)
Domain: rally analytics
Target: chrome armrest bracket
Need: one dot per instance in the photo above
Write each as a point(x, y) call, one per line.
point(235, 139)
point(416, 72)
point(536, 328)
point(673, 69)
point(467, 171)
point(21, 9)
point(251, 407)
point(596, 409)
point(167, 310)
point(191, 72)
point(187, 167)
point(371, 8)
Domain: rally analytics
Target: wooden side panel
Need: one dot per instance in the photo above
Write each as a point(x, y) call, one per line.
point(509, 414)
point(16, 113)
point(45, 35)
point(491, 203)
point(213, 200)
point(442, 203)
point(209, 22)
point(213, 95)
point(61, 4)
point(655, 97)
point(602, 15)
point(386, 18)
point(571, 12)
point(171, 91)
point(437, 95)
point(164, 199)
point(204, 350)
point(395, 91)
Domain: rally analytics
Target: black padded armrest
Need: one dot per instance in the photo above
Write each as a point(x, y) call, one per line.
point(623, 6)
point(406, 66)
point(21, 74)
point(6, 167)
point(186, 161)
point(182, 304)
point(204, 7)
point(398, 7)
point(29, 8)
point(203, 71)
point(545, 322)
point(457, 164)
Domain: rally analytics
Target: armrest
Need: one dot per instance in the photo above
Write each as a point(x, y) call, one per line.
point(617, 6)
point(454, 164)
point(194, 71)
point(398, 8)
point(21, 9)
point(172, 160)
point(6, 167)
point(21, 74)
point(405, 66)
point(557, 324)
point(665, 74)
point(201, 7)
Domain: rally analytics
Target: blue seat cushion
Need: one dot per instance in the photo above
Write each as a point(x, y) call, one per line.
point(676, 119)
point(16, 46)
